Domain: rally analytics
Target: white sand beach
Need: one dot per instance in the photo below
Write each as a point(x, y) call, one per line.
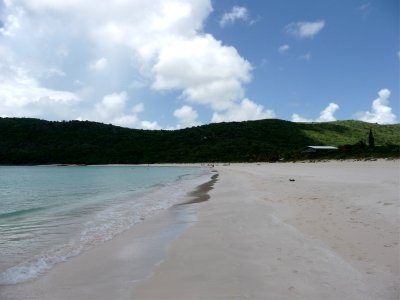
point(333, 233)
point(326, 230)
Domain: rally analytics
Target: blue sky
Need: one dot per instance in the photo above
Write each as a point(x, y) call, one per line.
point(177, 63)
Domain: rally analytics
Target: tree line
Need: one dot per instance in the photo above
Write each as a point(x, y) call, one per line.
point(32, 141)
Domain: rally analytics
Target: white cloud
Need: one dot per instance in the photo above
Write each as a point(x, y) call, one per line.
point(303, 30)
point(298, 118)
point(186, 116)
point(246, 110)
point(99, 64)
point(21, 95)
point(149, 125)
point(283, 48)
point(11, 23)
point(160, 41)
point(381, 111)
point(236, 13)
point(145, 27)
point(327, 115)
point(113, 109)
point(207, 71)
point(138, 108)
point(111, 106)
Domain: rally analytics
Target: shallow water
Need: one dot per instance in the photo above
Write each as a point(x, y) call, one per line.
point(48, 214)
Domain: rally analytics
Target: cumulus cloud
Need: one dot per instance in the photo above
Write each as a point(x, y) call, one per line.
point(149, 125)
point(133, 31)
point(245, 110)
point(161, 42)
point(327, 115)
point(114, 109)
point(143, 26)
point(381, 111)
point(236, 13)
point(207, 71)
point(25, 98)
point(21, 95)
point(186, 116)
point(111, 109)
point(283, 48)
point(304, 30)
point(298, 118)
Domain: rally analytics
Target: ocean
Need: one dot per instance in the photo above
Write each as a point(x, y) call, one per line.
point(49, 214)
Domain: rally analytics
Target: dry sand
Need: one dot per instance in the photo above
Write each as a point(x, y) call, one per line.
point(332, 233)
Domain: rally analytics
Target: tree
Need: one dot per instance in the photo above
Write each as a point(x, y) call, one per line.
point(371, 139)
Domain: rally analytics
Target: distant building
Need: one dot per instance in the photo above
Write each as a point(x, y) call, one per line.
point(313, 149)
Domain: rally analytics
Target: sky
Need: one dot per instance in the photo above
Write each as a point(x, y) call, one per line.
point(170, 64)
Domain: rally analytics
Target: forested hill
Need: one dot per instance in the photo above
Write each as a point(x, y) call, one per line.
point(33, 141)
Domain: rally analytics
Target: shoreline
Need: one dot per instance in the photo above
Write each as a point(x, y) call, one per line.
point(326, 230)
point(329, 233)
point(201, 193)
point(130, 257)
point(218, 163)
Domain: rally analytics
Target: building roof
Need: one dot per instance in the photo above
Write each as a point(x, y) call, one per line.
point(322, 147)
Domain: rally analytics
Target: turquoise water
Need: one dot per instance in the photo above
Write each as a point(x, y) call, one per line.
point(48, 214)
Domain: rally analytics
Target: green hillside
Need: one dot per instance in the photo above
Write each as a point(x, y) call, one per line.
point(350, 132)
point(33, 141)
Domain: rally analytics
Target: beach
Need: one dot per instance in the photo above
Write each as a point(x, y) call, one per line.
point(330, 234)
point(327, 230)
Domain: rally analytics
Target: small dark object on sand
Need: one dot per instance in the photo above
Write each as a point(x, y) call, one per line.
point(292, 180)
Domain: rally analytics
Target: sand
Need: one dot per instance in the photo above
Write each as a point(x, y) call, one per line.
point(332, 233)
point(267, 231)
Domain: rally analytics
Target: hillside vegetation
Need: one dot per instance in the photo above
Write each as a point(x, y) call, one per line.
point(350, 132)
point(33, 141)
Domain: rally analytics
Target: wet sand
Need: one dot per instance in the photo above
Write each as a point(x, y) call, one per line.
point(201, 193)
point(112, 270)
point(267, 231)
